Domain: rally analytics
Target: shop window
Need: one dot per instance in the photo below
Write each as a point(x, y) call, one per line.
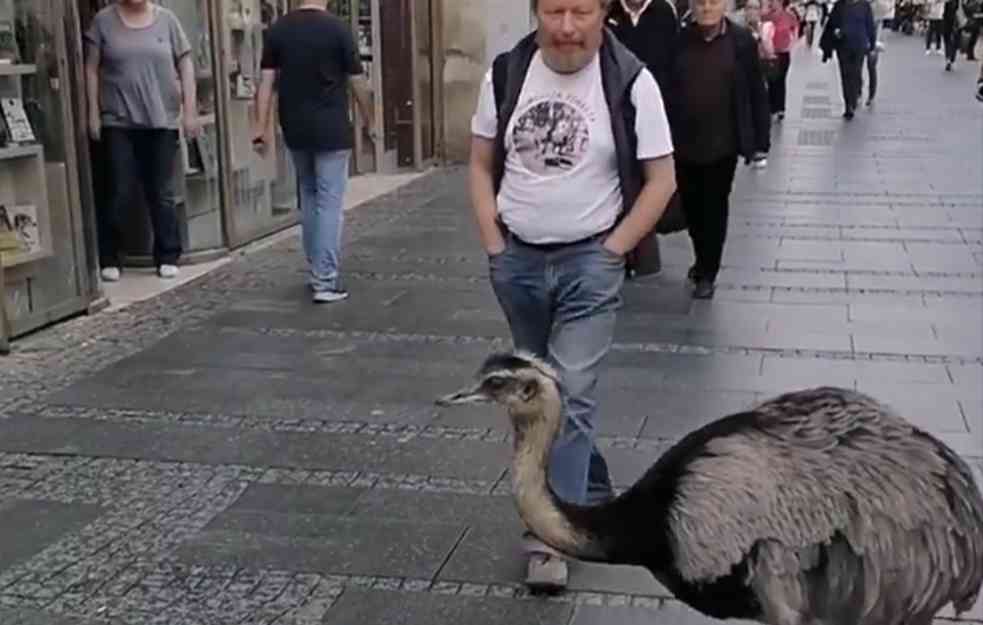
point(264, 195)
point(198, 173)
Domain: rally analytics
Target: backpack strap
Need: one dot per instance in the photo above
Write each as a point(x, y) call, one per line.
point(500, 70)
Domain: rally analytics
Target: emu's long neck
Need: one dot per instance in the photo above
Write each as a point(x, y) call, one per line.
point(565, 527)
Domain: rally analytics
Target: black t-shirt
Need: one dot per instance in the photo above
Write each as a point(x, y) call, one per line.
point(652, 40)
point(314, 53)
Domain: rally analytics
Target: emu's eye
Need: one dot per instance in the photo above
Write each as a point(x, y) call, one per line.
point(495, 383)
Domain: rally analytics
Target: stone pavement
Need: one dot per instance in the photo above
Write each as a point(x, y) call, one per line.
point(229, 453)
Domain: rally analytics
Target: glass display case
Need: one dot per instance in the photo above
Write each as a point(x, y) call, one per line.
point(41, 232)
point(199, 197)
point(263, 189)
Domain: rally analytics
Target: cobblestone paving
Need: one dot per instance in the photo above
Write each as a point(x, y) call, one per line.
point(189, 460)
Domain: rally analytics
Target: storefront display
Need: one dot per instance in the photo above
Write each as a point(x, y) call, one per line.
point(41, 231)
point(263, 192)
point(199, 195)
point(53, 177)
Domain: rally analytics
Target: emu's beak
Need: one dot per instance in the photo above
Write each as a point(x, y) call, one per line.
point(472, 395)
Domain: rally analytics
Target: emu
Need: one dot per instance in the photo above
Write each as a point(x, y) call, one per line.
point(817, 507)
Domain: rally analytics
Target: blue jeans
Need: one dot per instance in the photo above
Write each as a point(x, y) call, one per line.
point(561, 304)
point(322, 178)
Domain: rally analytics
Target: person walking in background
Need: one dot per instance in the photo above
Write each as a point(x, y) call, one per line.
point(933, 35)
point(140, 87)
point(312, 57)
point(719, 112)
point(951, 31)
point(763, 33)
point(812, 16)
point(881, 10)
point(649, 29)
point(786, 27)
point(850, 33)
point(973, 10)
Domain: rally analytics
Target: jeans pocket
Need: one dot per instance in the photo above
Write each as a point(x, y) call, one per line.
point(613, 257)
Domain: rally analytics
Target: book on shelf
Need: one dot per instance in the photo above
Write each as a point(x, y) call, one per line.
point(9, 53)
point(18, 125)
point(19, 232)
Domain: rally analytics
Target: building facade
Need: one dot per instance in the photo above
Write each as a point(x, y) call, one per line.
point(425, 60)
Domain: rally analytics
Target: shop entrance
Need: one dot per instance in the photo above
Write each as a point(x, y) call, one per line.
point(396, 43)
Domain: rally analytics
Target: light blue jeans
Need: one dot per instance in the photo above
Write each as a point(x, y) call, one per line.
point(322, 178)
point(561, 303)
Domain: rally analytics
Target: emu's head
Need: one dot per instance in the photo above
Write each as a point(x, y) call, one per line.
point(524, 384)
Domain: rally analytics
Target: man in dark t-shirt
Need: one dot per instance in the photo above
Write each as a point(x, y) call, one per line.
point(648, 28)
point(311, 56)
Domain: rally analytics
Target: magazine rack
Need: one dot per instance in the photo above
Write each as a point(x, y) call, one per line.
point(25, 227)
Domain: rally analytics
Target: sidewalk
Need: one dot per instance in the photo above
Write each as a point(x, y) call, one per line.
point(228, 452)
point(139, 284)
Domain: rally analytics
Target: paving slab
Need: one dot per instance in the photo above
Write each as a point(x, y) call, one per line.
point(466, 459)
point(31, 526)
point(325, 545)
point(36, 617)
point(670, 613)
point(381, 608)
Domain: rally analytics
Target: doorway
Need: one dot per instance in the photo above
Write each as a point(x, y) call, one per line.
point(396, 45)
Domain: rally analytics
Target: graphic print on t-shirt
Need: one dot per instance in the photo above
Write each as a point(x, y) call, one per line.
point(552, 135)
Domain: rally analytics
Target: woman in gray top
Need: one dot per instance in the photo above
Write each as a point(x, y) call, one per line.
point(140, 85)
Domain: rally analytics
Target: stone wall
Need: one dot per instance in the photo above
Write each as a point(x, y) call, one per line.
point(474, 31)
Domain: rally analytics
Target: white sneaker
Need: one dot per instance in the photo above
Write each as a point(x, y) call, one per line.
point(168, 271)
point(329, 297)
point(546, 573)
point(110, 274)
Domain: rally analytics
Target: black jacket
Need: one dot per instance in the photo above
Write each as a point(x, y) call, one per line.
point(653, 40)
point(752, 115)
point(850, 27)
point(619, 69)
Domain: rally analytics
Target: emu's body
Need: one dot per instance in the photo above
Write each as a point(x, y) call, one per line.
point(819, 507)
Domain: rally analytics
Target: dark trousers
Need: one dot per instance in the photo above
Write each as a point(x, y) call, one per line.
point(851, 64)
point(974, 35)
point(872, 58)
point(933, 36)
point(776, 85)
point(704, 189)
point(951, 36)
point(147, 157)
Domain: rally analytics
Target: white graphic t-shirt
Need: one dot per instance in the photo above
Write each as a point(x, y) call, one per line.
point(561, 172)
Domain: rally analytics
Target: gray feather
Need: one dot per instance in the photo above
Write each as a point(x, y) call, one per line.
point(898, 515)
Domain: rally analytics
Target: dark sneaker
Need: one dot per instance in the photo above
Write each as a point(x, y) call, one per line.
point(331, 296)
point(704, 289)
